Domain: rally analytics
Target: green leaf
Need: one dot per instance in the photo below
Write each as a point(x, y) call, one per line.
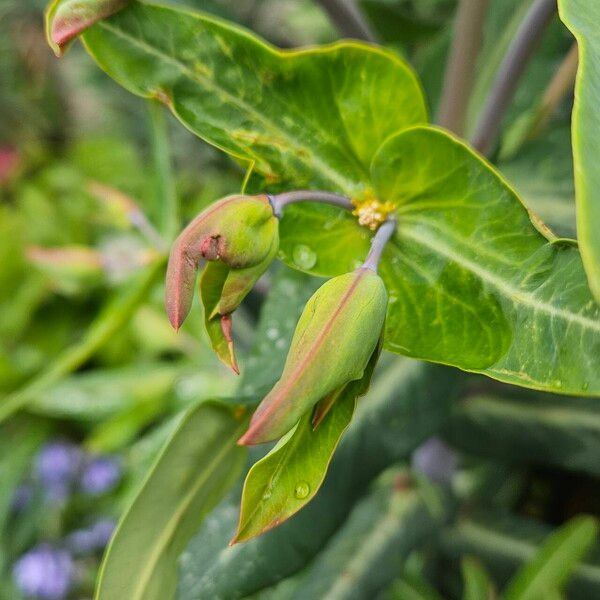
point(505, 542)
point(554, 562)
point(367, 553)
point(477, 584)
point(472, 282)
point(582, 17)
point(410, 587)
point(289, 477)
point(199, 463)
point(312, 117)
point(406, 404)
point(529, 428)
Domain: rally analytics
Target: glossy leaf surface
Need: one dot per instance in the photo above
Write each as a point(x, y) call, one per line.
point(196, 467)
point(582, 17)
point(471, 281)
point(298, 116)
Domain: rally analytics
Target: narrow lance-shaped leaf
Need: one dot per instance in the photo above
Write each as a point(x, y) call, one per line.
point(555, 561)
point(582, 18)
point(532, 428)
point(291, 474)
point(508, 301)
point(196, 467)
point(369, 551)
point(476, 581)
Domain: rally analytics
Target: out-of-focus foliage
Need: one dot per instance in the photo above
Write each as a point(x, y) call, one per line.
point(77, 169)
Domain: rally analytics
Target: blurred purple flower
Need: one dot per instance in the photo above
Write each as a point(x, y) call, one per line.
point(87, 541)
point(435, 459)
point(22, 497)
point(56, 466)
point(101, 475)
point(103, 531)
point(45, 573)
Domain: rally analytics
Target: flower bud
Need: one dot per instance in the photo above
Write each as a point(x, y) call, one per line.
point(239, 237)
point(336, 336)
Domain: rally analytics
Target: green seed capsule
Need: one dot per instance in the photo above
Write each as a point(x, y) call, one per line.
point(239, 237)
point(336, 336)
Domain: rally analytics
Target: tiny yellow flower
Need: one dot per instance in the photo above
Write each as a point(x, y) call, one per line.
point(371, 212)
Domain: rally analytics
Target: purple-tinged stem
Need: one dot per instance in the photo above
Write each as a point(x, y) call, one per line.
point(381, 238)
point(279, 201)
point(512, 68)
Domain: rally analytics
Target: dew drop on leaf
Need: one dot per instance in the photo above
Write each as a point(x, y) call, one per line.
point(267, 494)
point(302, 489)
point(304, 257)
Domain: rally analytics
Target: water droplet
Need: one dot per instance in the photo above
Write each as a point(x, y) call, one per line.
point(558, 383)
point(392, 299)
point(267, 494)
point(585, 386)
point(304, 257)
point(272, 333)
point(281, 343)
point(302, 490)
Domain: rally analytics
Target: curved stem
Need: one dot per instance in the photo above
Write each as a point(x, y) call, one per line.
point(381, 238)
point(512, 68)
point(460, 69)
point(346, 16)
point(278, 201)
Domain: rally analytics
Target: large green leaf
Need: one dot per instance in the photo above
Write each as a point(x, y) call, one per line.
point(472, 282)
point(529, 428)
point(406, 404)
point(582, 17)
point(554, 562)
point(199, 463)
point(312, 117)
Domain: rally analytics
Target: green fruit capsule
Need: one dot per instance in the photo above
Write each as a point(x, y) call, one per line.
point(239, 237)
point(336, 336)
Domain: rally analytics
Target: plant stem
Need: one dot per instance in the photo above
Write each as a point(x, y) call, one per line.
point(381, 238)
point(167, 209)
point(460, 69)
point(512, 68)
point(278, 201)
point(348, 20)
point(560, 85)
point(112, 319)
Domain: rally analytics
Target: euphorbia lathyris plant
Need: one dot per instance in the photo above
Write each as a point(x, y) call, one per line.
point(468, 276)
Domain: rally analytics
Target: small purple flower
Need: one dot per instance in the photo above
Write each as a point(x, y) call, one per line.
point(45, 573)
point(83, 542)
point(56, 466)
point(22, 497)
point(435, 459)
point(103, 531)
point(101, 475)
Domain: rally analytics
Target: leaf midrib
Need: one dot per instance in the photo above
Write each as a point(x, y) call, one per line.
point(514, 295)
